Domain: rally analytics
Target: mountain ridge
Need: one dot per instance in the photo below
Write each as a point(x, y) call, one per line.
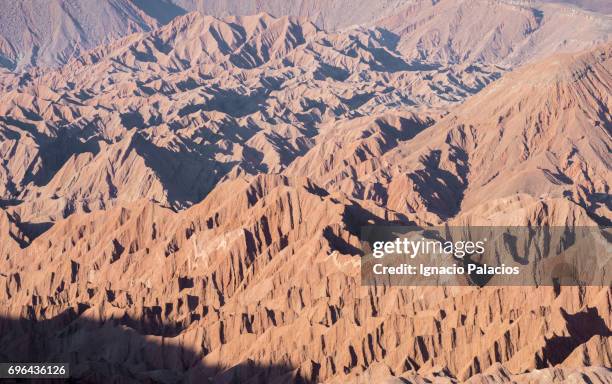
point(77, 31)
point(201, 187)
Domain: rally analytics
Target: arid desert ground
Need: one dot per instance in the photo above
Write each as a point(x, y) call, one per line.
point(183, 183)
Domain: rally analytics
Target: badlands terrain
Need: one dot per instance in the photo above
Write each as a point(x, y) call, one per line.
point(181, 193)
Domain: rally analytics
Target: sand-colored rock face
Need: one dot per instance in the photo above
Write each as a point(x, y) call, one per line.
point(50, 33)
point(184, 205)
point(505, 32)
point(166, 115)
point(536, 119)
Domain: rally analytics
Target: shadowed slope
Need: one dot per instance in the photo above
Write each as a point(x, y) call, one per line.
point(124, 350)
point(542, 133)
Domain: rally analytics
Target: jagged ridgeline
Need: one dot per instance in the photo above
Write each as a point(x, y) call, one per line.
point(181, 194)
